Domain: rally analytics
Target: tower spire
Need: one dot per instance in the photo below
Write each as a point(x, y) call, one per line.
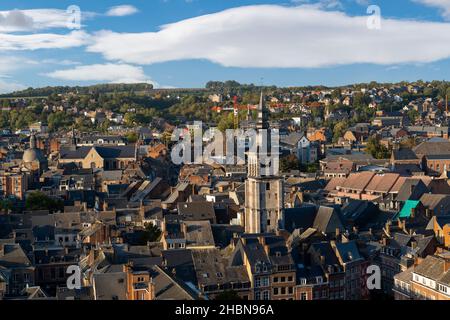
point(262, 114)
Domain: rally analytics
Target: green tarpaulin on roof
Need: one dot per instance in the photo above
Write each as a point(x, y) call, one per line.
point(407, 208)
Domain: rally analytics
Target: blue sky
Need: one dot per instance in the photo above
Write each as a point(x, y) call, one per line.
point(185, 43)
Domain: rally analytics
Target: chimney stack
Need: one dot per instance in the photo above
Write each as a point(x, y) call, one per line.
point(322, 260)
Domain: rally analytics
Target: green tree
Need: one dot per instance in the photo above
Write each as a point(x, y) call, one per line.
point(132, 137)
point(310, 167)
point(58, 120)
point(413, 114)
point(151, 233)
point(339, 130)
point(40, 201)
point(6, 205)
point(376, 149)
point(289, 162)
point(226, 122)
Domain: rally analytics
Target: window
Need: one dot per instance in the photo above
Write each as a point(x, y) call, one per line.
point(258, 296)
point(268, 186)
point(303, 296)
point(290, 278)
point(275, 291)
point(444, 289)
point(266, 295)
point(303, 281)
point(275, 279)
point(264, 281)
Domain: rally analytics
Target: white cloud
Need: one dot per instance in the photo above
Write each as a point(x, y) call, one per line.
point(15, 21)
point(8, 86)
point(112, 73)
point(11, 63)
point(42, 41)
point(63, 62)
point(38, 19)
point(323, 4)
point(276, 36)
point(443, 5)
point(120, 11)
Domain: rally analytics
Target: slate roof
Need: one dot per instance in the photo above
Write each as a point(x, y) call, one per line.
point(324, 249)
point(436, 201)
point(198, 233)
point(255, 252)
point(428, 148)
point(327, 220)
point(212, 268)
point(110, 286)
point(358, 210)
point(13, 256)
point(347, 251)
point(412, 189)
point(292, 139)
point(302, 217)
point(404, 154)
point(106, 152)
point(431, 267)
point(198, 210)
point(167, 288)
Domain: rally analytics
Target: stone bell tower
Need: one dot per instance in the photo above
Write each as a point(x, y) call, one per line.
point(263, 187)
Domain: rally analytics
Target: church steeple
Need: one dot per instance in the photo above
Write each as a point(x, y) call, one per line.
point(262, 122)
point(263, 187)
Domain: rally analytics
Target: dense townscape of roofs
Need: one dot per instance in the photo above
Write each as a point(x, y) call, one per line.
point(86, 180)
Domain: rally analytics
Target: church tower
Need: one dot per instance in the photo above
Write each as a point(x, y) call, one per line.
point(263, 187)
